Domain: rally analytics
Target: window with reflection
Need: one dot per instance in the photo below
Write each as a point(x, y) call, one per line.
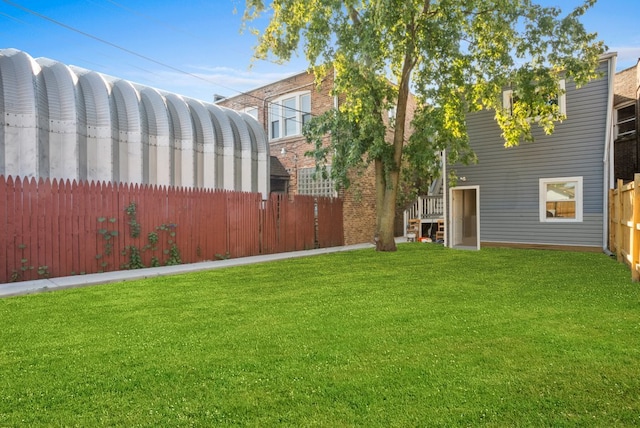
point(288, 114)
point(561, 199)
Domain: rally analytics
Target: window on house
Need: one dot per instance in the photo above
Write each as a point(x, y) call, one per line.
point(287, 115)
point(252, 111)
point(391, 113)
point(274, 120)
point(508, 99)
point(626, 120)
point(310, 184)
point(290, 117)
point(305, 106)
point(561, 199)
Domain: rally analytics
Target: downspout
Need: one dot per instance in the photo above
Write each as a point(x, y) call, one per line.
point(608, 167)
point(335, 96)
point(445, 196)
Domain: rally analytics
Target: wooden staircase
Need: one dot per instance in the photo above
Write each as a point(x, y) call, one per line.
point(429, 209)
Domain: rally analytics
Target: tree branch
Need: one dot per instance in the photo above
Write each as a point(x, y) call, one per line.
point(353, 14)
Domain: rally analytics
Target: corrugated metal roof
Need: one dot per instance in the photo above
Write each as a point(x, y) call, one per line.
point(67, 122)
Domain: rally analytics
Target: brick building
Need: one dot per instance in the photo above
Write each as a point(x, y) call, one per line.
point(626, 105)
point(283, 107)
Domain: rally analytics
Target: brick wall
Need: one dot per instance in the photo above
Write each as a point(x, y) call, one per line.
point(625, 86)
point(625, 159)
point(359, 208)
point(626, 148)
point(289, 150)
point(360, 199)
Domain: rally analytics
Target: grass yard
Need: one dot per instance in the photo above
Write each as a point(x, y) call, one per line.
point(426, 336)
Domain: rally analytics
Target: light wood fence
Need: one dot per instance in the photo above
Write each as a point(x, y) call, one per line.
point(60, 228)
point(624, 224)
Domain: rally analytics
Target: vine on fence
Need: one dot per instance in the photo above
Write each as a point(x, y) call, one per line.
point(135, 259)
point(134, 226)
point(18, 274)
point(107, 237)
point(133, 252)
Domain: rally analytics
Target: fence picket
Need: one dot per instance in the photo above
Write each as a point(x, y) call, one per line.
point(54, 223)
point(91, 221)
point(66, 261)
point(624, 223)
point(16, 244)
point(30, 228)
point(7, 251)
point(53, 245)
point(42, 215)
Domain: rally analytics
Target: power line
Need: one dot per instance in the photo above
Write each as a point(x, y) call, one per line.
point(139, 55)
point(106, 42)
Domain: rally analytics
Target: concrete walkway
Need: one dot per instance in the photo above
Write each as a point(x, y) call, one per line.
point(41, 285)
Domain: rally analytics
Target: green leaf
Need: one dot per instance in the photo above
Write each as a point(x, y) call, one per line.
point(455, 56)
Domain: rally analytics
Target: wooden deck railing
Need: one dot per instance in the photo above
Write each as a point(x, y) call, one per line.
point(426, 207)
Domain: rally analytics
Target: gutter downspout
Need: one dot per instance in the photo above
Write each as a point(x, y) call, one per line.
point(608, 167)
point(445, 196)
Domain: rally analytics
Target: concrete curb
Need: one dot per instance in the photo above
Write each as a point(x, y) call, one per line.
point(43, 285)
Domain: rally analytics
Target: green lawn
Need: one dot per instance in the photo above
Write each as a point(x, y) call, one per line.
point(426, 336)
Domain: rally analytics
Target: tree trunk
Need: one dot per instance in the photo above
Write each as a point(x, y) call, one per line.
point(386, 217)
point(387, 185)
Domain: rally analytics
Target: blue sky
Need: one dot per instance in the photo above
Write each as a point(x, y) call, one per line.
point(202, 38)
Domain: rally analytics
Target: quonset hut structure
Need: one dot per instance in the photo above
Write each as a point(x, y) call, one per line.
point(66, 122)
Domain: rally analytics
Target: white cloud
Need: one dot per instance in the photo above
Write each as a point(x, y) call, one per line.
point(627, 55)
point(203, 84)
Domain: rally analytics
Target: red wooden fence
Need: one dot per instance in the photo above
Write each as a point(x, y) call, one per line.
point(59, 228)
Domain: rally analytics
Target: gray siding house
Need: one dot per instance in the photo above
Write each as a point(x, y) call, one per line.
point(548, 194)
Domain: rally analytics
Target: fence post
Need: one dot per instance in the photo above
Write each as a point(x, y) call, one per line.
point(618, 210)
point(635, 244)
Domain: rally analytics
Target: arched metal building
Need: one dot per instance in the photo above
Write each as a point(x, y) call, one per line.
point(70, 123)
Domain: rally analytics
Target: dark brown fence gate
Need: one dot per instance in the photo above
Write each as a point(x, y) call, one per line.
point(59, 228)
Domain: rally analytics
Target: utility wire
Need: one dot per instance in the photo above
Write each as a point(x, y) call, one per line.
point(139, 55)
point(106, 42)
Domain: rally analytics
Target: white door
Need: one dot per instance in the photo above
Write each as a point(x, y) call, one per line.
point(465, 217)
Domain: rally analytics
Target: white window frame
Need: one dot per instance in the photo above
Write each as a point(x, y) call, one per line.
point(578, 198)
point(391, 113)
point(251, 111)
point(618, 122)
point(286, 122)
point(507, 98)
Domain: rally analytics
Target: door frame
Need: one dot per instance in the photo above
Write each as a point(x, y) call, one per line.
point(452, 215)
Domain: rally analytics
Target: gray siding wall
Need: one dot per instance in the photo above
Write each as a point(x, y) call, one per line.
point(509, 177)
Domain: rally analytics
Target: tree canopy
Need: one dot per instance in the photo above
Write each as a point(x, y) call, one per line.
point(455, 56)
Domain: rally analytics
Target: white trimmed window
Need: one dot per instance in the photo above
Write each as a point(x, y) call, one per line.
point(252, 111)
point(626, 120)
point(561, 199)
point(392, 115)
point(310, 184)
point(288, 114)
point(560, 101)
